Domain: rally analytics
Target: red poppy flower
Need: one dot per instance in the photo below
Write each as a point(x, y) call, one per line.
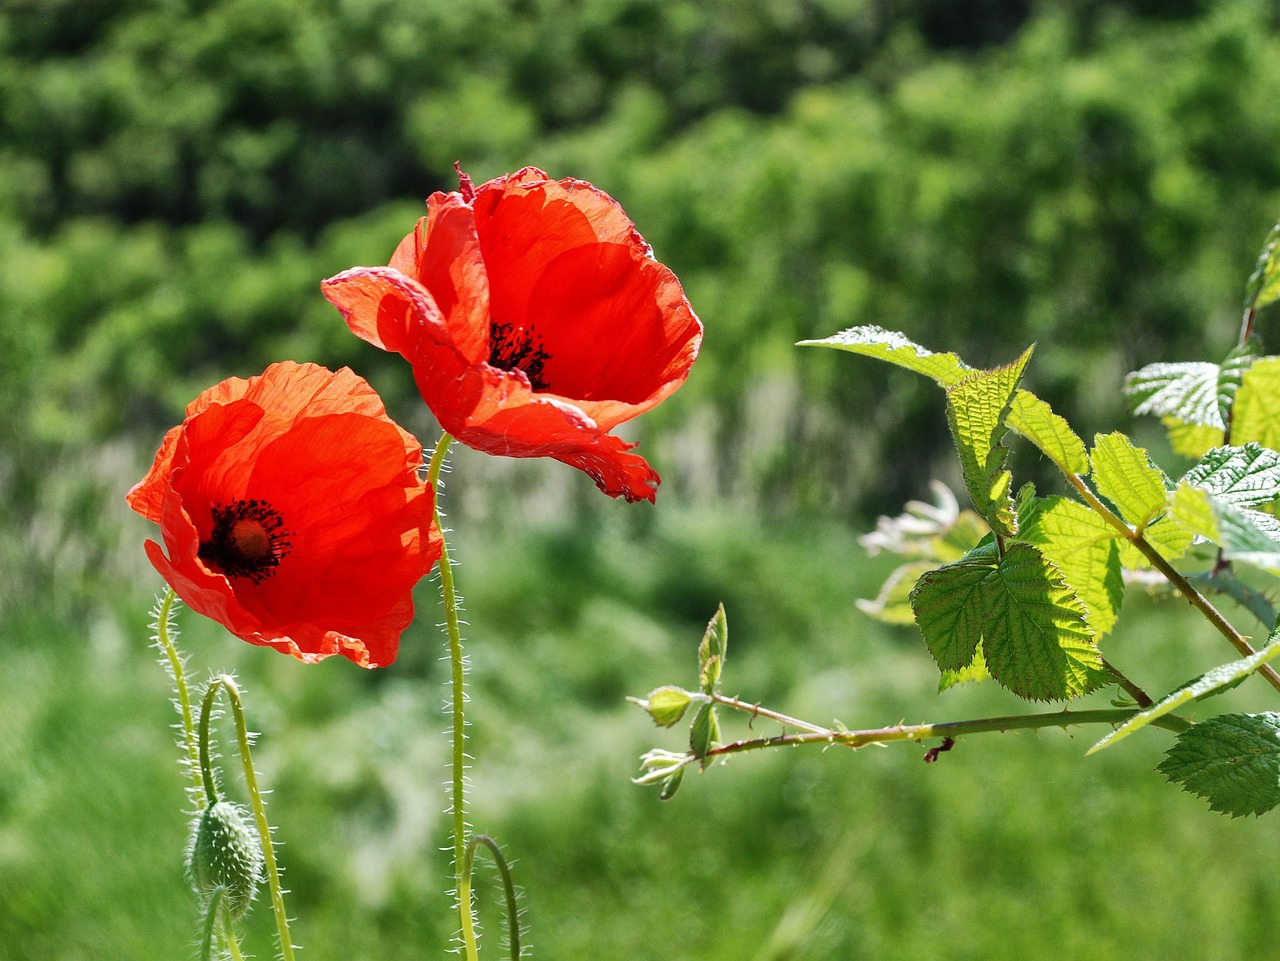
point(536, 321)
point(292, 512)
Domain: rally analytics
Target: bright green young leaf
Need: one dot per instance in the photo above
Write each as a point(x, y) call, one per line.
point(1245, 535)
point(1188, 392)
point(1232, 759)
point(1035, 639)
point(704, 732)
point(891, 346)
point(1264, 284)
point(976, 671)
point(1029, 416)
point(1192, 440)
point(1206, 684)
point(976, 410)
point(1232, 374)
point(1170, 539)
point(712, 650)
point(1084, 548)
point(1246, 476)
point(1257, 406)
point(1125, 476)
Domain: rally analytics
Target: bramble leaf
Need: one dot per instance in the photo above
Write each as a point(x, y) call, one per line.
point(1035, 420)
point(1191, 440)
point(712, 651)
point(1244, 476)
point(889, 345)
point(1166, 535)
point(976, 671)
point(1188, 392)
point(1125, 476)
point(893, 604)
point(704, 732)
point(1203, 686)
point(1035, 638)
point(1264, 283)
point(1233, 760)
point(1243, 534)
point(1232, 374)
point(1083, 547)
point(1257, 406)
point(976, 410)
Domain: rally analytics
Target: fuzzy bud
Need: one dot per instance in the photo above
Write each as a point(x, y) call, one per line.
point(225, 852)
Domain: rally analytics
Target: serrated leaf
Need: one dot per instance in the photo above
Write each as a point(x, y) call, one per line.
point(1244, 535)
point(893, 604)
point(1257, 407)
point(1125, 476)
point(1263, 286)
point(975, 672)
point(1205, 685)
point(976, 410)
point(1188, 392)
point(1191, 440)
point(712, 651)
point(1233, 760)
point(891, 346)
point(1170, 539)
point(704, 732)
point(1232, 374)
point(1083, 547)
point(1245, 476)
point(1035, 420)
point(1035, 638)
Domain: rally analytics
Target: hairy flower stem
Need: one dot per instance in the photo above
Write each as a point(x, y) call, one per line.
point(224, 682)
point(508, 886)
point(462, 876)
point(165, 639)
point(1183, 586)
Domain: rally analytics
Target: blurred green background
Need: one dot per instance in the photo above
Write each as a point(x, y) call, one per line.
point(176, 176)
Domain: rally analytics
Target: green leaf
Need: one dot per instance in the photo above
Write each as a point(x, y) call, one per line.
point(666, 705)
point(1035, 420)
point(704, 732)
point(1257, 406)
point(671, 784)
point(1245, 476)
point(1232, 374)
point(1232, 759)
point(1170, 539)
point(1188, 392)
point(1083, 546)
point(891, 346)
point(1264, 284)
point(1244, 535)
point(1036, 640)
point(975, 672)
point(1191, 440)
point(1205, 685)
point(976, 410)
point(1029, 416)
point(712, 650)
point(1125, 476)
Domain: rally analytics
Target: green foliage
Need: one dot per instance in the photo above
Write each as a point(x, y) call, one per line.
point(1125, 476)
point(1263, 288)
point(1232, 759)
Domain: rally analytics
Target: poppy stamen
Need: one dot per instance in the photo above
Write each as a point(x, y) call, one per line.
point(518, 348)
point(249, 539)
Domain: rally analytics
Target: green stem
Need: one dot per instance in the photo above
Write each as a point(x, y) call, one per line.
point(1138, 694)
point(255, 798)
point(1183, 586)
point(945, 729)
point(755, 710)
point(513, 908)
point(210, 923)
point(462, 877)
point(164, 637)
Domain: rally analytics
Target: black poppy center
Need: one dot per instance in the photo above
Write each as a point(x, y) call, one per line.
point(518, 348)
point(249, 539)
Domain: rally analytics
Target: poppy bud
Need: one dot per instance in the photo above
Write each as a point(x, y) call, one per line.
point(225, 853)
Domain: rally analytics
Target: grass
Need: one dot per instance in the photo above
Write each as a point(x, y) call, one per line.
point(1011, 846)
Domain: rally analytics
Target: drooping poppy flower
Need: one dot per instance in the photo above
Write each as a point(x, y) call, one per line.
point(292, 512)
point(536, 320)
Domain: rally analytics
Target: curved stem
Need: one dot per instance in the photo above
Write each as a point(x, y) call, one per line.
point(513, 907)
point(755, 710)
point(1139, 696)
point(255, 799)
point(1183, 586)
point(164, 638)
point(462, 877)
